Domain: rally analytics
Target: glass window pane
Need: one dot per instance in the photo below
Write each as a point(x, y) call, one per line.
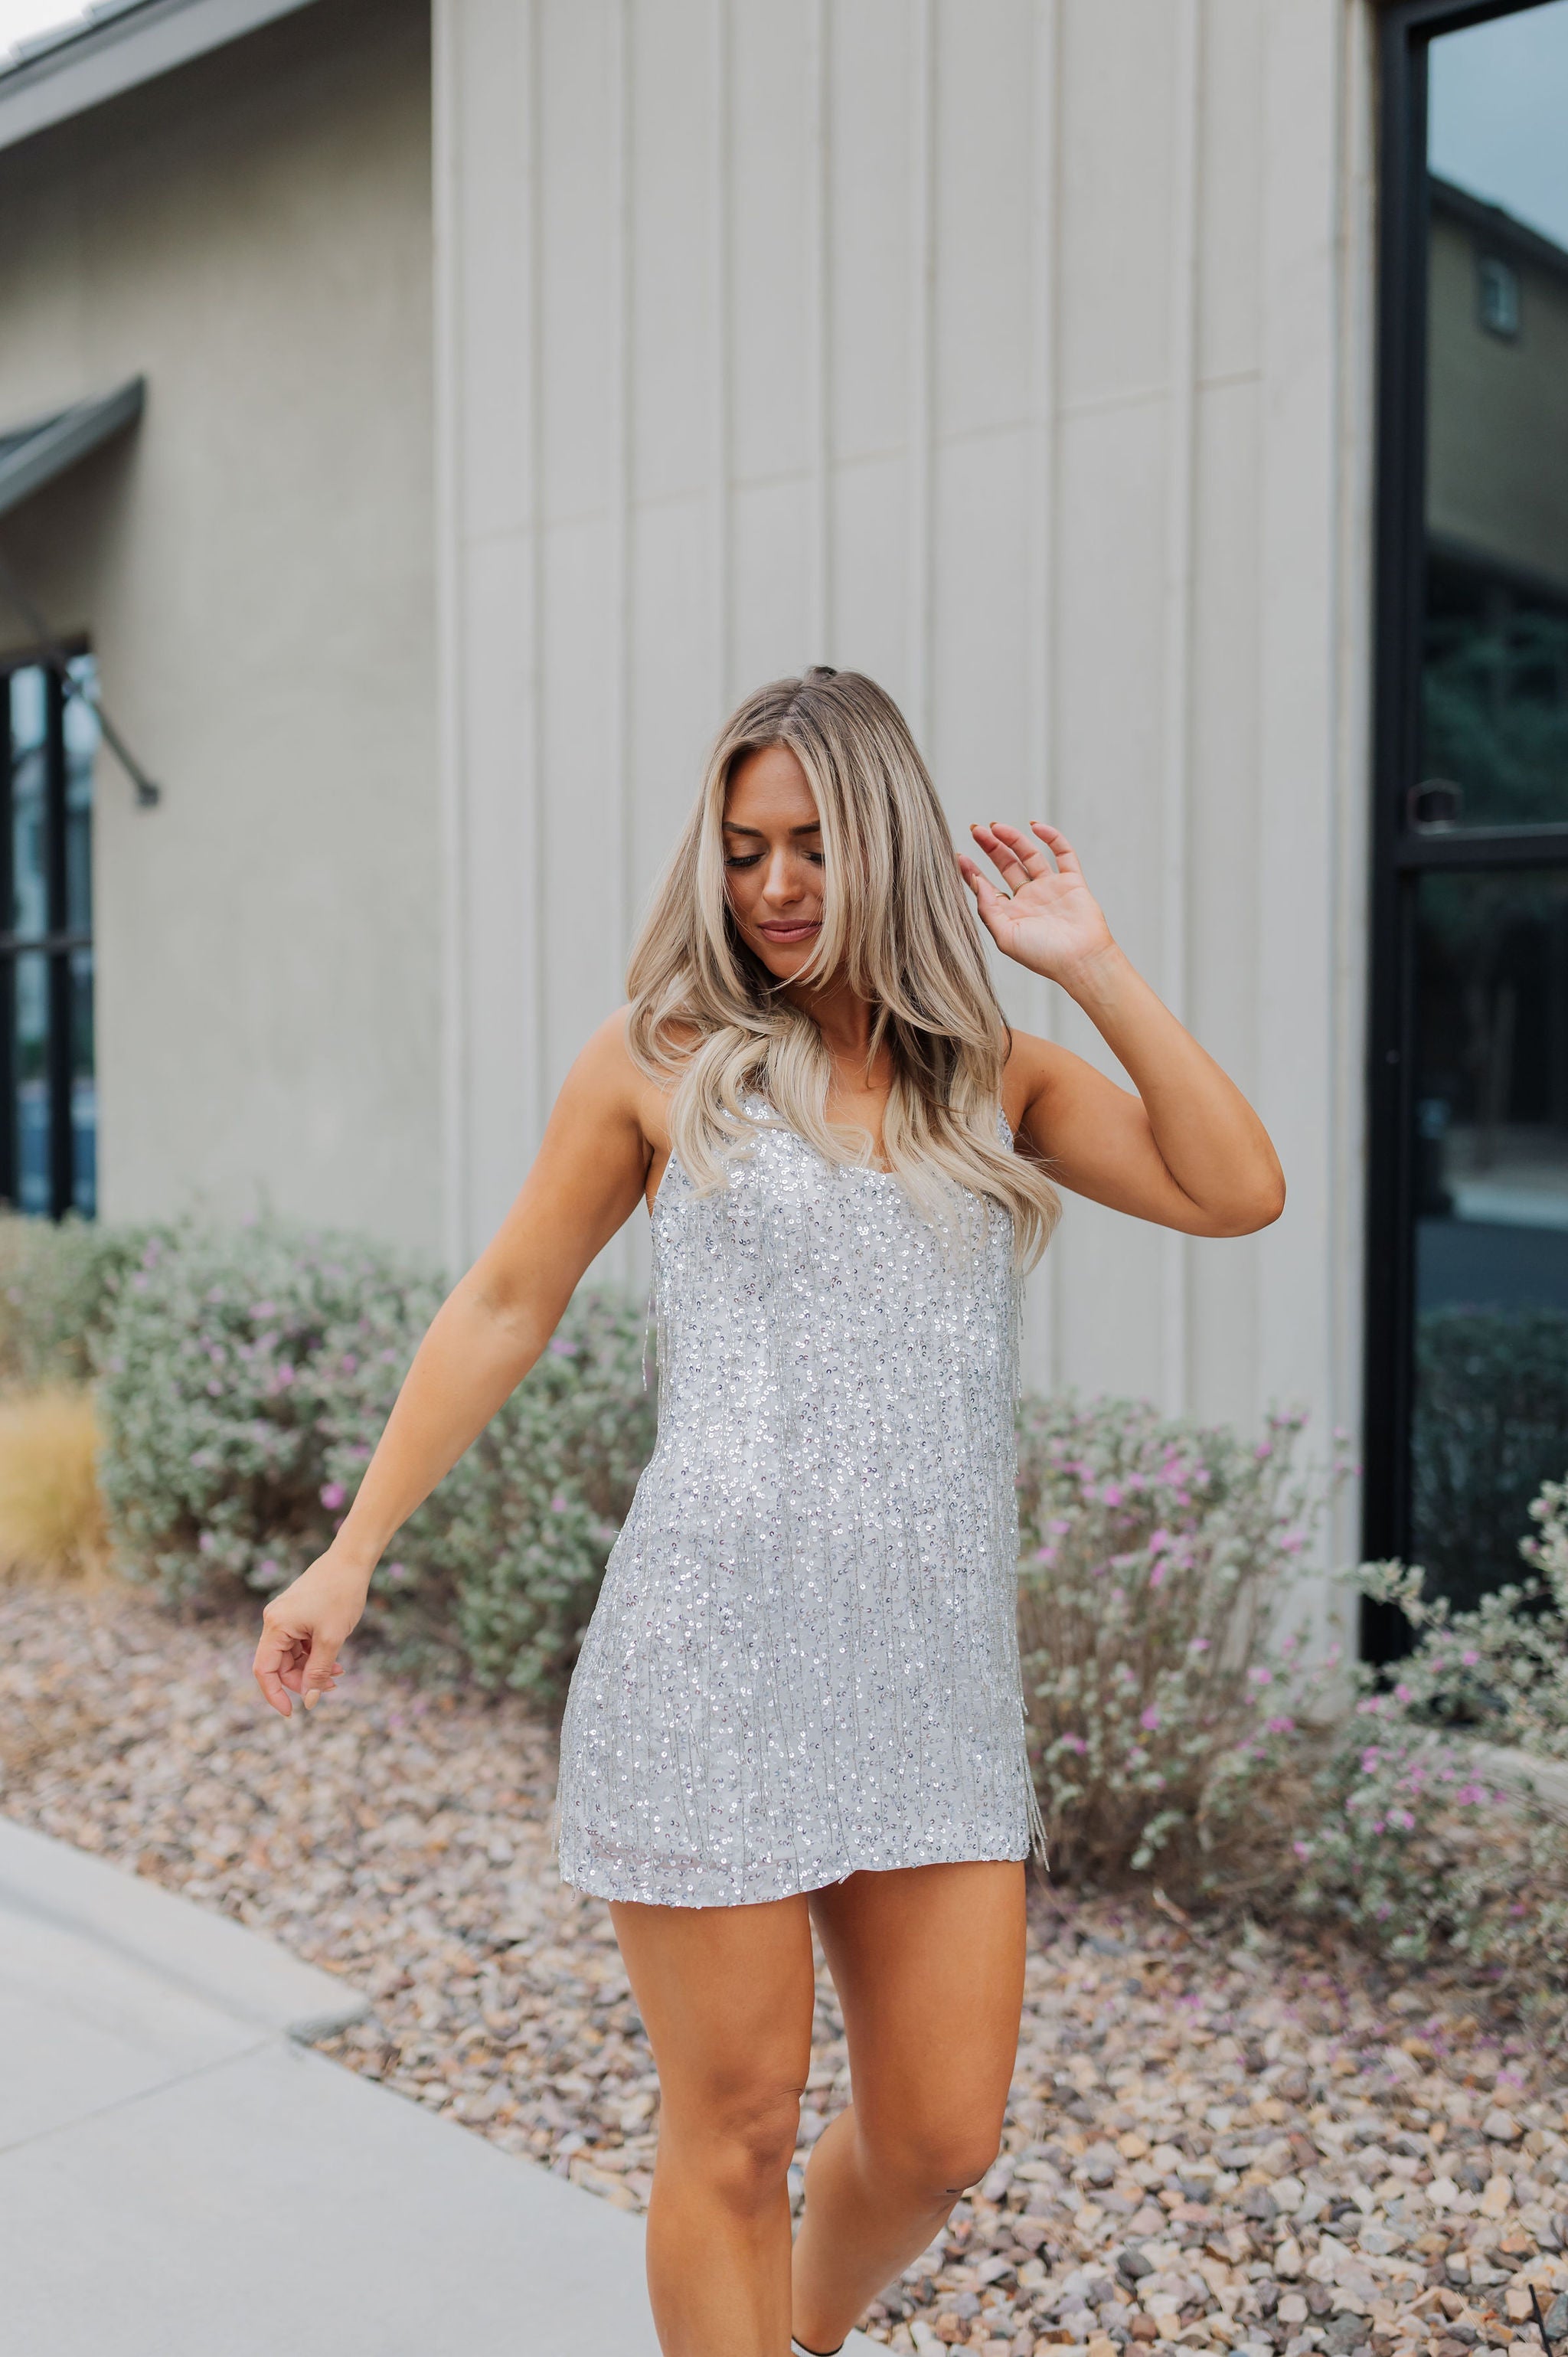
point(1494, 669)
point(29, 912)
point(1492, 1247)
point(80, 726)
point(83, 1089)
point(30, 1065)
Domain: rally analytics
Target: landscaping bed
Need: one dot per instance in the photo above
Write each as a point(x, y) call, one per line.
point(1217, 2139)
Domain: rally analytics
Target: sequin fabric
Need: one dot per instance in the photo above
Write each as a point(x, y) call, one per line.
point(803, 1662)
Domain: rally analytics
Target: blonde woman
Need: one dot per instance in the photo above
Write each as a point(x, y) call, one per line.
point(798, 1701)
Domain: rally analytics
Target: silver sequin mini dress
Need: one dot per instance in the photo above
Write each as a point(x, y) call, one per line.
point(804, 1661)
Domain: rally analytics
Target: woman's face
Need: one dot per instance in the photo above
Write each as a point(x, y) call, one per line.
point(773, 859)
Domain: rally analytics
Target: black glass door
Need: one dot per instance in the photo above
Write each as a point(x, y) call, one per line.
point(1467, 1329)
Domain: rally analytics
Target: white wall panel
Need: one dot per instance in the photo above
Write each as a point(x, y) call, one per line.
point(997, 347)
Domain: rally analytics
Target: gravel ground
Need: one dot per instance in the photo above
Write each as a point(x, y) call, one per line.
point(1268, 2147)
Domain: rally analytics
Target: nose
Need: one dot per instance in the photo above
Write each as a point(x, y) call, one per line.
point(786, 877)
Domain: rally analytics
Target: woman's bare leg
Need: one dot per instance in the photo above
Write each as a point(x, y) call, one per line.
point(929, 1965)
point(725, 1994)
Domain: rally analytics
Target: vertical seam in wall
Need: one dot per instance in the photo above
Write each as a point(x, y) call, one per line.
point(1352, 643)
point(449, 603)
point(1044, 447)
point(1176, 817)
point(818, 329)
point(723, 397)
point(922, 315)
point(621, 502)
point(535, 465)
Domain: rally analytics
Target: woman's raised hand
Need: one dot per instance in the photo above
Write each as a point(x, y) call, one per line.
point(1047, 918)
point(302, 1628)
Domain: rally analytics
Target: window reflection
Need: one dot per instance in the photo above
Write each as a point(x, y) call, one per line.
point(1495, 676)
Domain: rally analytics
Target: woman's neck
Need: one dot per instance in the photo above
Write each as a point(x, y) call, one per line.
point(844, 1019)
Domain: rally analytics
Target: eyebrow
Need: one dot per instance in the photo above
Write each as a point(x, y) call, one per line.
point(731, 828)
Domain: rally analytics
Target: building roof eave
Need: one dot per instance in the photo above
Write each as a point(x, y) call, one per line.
point(34, 454)
point(113, 48)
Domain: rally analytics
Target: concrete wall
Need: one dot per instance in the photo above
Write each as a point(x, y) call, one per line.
point(254, 568)
point(1017, 351)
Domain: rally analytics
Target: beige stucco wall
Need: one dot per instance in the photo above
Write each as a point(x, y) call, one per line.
point(254, 568)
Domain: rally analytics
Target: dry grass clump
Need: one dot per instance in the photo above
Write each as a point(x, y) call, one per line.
point(51, 1511)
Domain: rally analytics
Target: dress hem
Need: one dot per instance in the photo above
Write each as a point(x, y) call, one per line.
point(611, 1887)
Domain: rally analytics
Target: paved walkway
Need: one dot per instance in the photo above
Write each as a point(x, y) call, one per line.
point(180, 2177)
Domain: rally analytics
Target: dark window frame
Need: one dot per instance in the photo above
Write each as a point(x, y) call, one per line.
point(1402, 850)
point(57, 942)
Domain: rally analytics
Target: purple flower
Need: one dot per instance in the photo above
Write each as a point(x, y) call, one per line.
point(1110, 1495)
point(1281, 1726)
point(563, 1349)
point(1302, 1848)
point(1150, 1720)
point(1157, 1575)
point(1071, 1743)
point(263, 1310)
point(1261, 1675)
point(332, 1495)
point(1470, 1657)
point(1403, 1694)
point(1198, 1645)
point(559, 1504)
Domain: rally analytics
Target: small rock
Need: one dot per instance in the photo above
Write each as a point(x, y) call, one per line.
point(1288, 2259)
point(1143, 2328)
point(1501, 2126)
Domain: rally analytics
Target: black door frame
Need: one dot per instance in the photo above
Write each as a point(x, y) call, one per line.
point(1401, 850)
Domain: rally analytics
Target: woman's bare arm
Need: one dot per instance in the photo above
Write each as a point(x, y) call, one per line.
point(1188, 1151)
point(586, 1181)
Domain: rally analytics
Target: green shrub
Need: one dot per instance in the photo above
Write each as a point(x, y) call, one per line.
point(242, 1375)
point(244, 1378)
point(1407, 1836)
point(1165, 1690)
point(538, 1501)
point(55, 1281)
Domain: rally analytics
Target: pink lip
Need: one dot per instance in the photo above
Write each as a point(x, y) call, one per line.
point(788, 933)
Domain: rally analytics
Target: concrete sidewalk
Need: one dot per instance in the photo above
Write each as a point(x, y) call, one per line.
point(179, 2177)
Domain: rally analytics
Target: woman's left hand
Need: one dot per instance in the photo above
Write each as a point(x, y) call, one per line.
point(1051, 922)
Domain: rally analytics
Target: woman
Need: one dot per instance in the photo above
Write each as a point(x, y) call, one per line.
point(798, 1700)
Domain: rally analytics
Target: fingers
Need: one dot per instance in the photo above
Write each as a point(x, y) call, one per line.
point(273, 1655)
point(293, 1661)
point(318, 1670)
point(1017, 859)
point(1061, 849)
point(981, 885)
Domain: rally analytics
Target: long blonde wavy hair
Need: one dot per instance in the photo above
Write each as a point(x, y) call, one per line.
point(707, 1016)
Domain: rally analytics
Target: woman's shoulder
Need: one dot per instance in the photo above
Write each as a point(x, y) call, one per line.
point(613, 1065)
point(1026, 1071)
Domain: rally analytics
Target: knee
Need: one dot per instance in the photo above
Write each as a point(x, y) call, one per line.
point(742, 2142)
point(938, 2162)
